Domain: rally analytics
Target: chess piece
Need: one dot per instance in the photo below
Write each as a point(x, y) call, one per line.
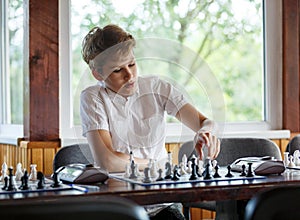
point(159, 178)
point(194, 174)
point(153, 168)
point(176, 175)
point(147, 175)
point(11, 186)
point(24, 180)
point(168, 169)
point(19, 173)
point(127, 171)
point(243, 173)
point(207, 172)
point(56, 181)
point(33, 172)
point(286, 160)
point(5, 183)
point(189, 167)
point(291, 162)
point(216, 174)
point(229, 174)
point(182, 169)
point(3, 171)
point(41, 180)
point(184, 160)
point(250, 172)
point(133, 174)
point(296, 157)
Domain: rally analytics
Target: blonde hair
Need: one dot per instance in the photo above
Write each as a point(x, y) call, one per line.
point(99, 40)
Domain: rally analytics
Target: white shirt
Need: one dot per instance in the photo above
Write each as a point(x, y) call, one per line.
point(136, 123)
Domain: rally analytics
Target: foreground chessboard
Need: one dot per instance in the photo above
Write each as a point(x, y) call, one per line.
point(32, 187)
point(183, 179)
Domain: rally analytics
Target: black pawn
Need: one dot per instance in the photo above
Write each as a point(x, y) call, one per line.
point(243, 173)
point(41, 180)
point(250, 173)
point(229, 174)
point(159, 175)
point(207, 175)
point(5, 183)
point(217, 175)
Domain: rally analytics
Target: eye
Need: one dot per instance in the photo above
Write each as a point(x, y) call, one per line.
point(117, 70)
point(132, 64)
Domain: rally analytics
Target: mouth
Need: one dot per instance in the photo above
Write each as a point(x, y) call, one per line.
point(129, 85)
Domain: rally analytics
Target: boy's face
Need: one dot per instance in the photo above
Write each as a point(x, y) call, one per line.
point(121, 72)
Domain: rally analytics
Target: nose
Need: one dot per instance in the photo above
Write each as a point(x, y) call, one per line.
point(128, 73)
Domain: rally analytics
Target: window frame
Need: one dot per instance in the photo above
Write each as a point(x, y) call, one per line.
point(175, 131)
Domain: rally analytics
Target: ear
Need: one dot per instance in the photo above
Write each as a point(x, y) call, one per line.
point(97, 75)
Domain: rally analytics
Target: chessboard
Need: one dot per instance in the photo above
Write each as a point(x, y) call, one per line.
point(192, 171)
point(23, 182)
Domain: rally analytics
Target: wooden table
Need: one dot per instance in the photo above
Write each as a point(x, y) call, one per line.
point(183, 193)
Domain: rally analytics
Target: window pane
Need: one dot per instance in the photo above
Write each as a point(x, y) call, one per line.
point(226, 35)
point(15, 28)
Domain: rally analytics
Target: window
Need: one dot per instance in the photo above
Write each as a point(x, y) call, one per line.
point(11, 66)
point(250, 77)
point(229, 37)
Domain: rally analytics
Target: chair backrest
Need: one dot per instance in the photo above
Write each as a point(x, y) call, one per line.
point(234, 148)
point(276, 204)
point(294, 144)
point(77, 153)
point(75, 208)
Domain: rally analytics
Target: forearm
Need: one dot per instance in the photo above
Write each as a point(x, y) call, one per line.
point(104, 154)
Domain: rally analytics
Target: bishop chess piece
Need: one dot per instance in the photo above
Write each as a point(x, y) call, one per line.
point(19, 173)
point(56, 181)
point(3, 171)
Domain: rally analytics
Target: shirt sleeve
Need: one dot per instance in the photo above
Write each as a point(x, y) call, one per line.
point(172, 98)
point(92, 111)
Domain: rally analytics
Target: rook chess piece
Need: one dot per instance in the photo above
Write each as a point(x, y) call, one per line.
point(250, 173)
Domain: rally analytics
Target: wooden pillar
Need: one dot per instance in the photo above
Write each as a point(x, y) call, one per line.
point(291, 73)
point(41, 81)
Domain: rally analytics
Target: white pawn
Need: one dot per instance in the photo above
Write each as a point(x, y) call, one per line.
point(286, 160)
point(127, 171)
point(291, 163)
point(19, 173)
point(182, 169)
point(3, 171)
point(153, 169)
point(33, 173)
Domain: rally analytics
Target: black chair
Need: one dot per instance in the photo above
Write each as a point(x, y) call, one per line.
point(294, 144)
point(75, 208)
point(231, 149)
point(77, 153)
point(276, 204)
